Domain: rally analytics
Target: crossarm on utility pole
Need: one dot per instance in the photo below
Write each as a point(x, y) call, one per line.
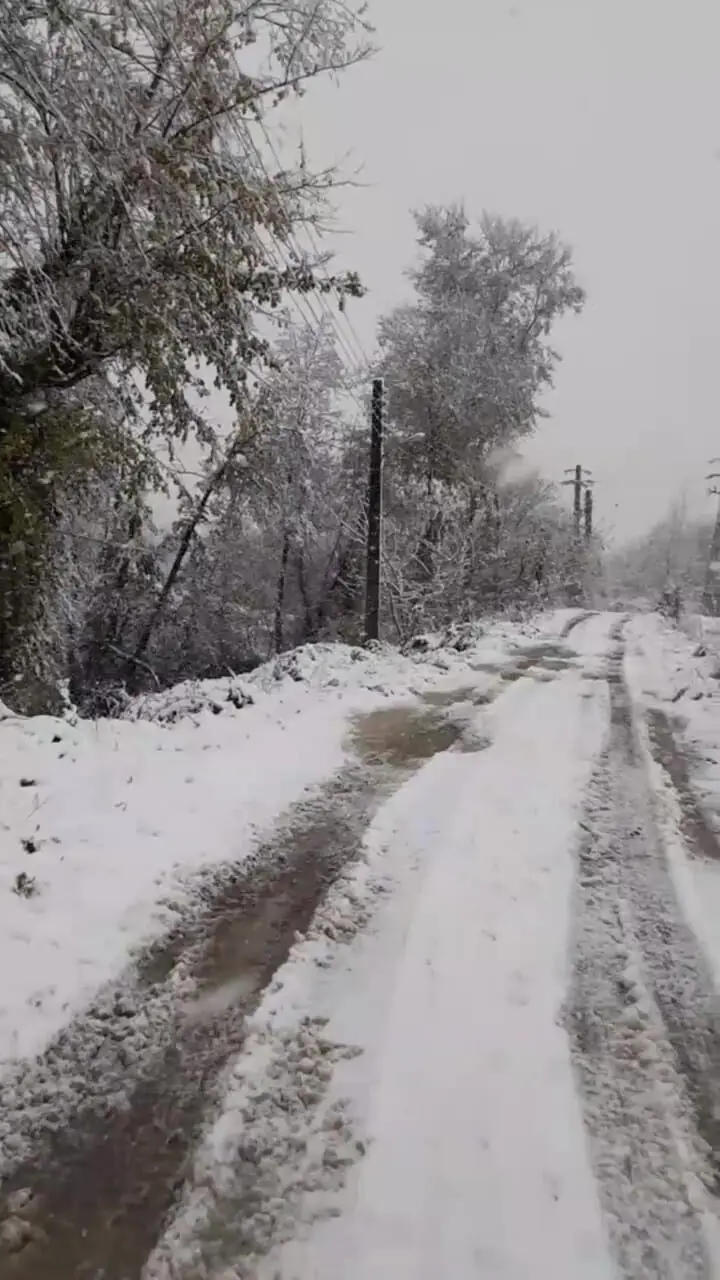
point(581, 480)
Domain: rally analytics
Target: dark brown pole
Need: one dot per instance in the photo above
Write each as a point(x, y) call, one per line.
point(578, 498)
point(588, 514)
point(711, 592)
point(374, 515)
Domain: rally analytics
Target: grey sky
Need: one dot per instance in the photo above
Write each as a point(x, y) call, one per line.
point(597, 118)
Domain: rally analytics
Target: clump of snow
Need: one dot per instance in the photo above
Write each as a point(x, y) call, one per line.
point(82, 1074)
point(189, 700)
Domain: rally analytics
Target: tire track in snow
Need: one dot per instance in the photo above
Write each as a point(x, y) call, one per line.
point(644, 1021)
point(570, 626)
point(96, 1137)
point(674, 758)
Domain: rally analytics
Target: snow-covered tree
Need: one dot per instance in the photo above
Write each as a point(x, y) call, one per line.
point(465, 363)
point(673, 554)
point(275, 558)
point(304, 456)
point(466, 360)
point(134, 229)
point(515, 547)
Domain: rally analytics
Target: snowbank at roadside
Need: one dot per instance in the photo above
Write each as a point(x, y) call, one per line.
point(103, 823)
point(702, 630)
point(100, 823)
point(679, 673)
point(324, 667)
point(666, 664)
point(668, 670)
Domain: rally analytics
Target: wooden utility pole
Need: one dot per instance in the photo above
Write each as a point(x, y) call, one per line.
point(711, 592)
point(581, 480)
point(374, 514)
point(588, 514)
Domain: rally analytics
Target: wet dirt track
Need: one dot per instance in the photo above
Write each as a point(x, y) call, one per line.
point(92, 1200)
point(668, 751)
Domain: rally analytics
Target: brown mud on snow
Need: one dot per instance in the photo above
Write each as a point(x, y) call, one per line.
point(91, 1202)
point(675, 759)
point(398, 736)
point(451, 697)
point(539, 662)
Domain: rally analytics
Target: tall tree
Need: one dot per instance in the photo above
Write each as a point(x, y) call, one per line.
point(673, 554)
point(134, 223)
point(304, 467)
point(467, 358)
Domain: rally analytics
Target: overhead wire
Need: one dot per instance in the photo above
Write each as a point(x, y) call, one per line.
point(359, 352)
point(356, 361)
point(304, 304)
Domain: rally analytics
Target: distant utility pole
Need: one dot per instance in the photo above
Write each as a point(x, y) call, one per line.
point(581, 481)
point(374, 514)
point(588, 514)
point(711, 592)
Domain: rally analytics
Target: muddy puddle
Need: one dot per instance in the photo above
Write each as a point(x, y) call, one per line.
point(404, 736)
point(667, 751)
point(92, 1202)
point(540, 662)
point(400, 736)
point(451, 697)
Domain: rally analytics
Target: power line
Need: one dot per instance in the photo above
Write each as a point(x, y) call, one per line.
point(357, 357)
point(302, 302)
point(310, 232)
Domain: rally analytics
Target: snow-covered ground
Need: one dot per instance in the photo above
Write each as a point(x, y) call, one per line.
point(677, 671)
point(494, 1048)
point(102, 824)
point(457, 1086)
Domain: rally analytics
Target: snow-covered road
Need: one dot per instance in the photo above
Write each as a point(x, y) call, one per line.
point(476, 1161)
point(459, 1018)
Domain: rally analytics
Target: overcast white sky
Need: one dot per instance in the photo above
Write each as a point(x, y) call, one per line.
point(599, 119)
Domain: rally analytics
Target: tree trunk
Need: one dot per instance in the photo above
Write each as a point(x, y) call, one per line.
point(280, 592)
point(469, 550)
point(312, 614)
point(136, 663)
point(27, 517)
point(425, 554)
